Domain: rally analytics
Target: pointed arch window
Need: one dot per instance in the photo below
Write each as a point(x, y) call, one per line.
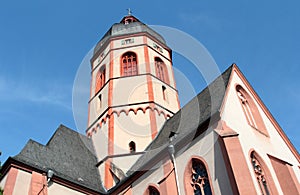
point(251, 111)
point(152, 190)
point(161, 70)
point(197, 179)
point(100, 79)
point(262, 174)
point(129, 64)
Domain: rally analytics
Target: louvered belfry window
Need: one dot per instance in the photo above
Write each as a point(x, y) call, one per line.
point(129, 64)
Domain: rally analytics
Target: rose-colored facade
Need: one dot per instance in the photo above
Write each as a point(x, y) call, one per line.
point(224, 141)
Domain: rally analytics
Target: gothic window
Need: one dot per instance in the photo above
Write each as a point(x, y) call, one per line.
point(251, 111)
point(129, 64)
point(161, 70)
point(196, 178)
point(260, 175)
point(100, 79)
point(152, 191)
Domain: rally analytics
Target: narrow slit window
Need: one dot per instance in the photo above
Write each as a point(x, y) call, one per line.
point(164, 92)
point(132, 147)
point(100, 101)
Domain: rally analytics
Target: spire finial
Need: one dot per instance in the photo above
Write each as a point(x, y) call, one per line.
point(129, 11)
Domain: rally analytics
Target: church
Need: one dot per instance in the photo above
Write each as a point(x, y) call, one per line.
point(139, 141)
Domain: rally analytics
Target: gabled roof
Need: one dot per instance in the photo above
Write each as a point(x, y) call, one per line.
point(69, 154)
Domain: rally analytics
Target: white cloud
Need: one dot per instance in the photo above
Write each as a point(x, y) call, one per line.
point(54, 94)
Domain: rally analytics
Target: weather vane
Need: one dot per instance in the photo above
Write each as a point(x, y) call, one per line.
point(129, 11)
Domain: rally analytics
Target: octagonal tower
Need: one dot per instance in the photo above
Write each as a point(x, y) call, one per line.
point(133, 92)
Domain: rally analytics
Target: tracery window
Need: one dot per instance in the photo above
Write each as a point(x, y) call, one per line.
point(199, 178)
point(129, 64)
point(100, 79)
point(161, 70)
point(260, 175)
point(251, 111)
point(247, 109)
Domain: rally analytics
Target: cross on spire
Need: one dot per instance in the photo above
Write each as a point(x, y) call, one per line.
point(129, 11)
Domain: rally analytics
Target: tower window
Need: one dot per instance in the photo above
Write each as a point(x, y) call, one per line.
point(100, 79)
point(132, 147)
point(100, 100)
point(129, 64)
point(161, 70)
point(164, 93)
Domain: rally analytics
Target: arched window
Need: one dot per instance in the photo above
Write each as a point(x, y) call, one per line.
point(100, 79)
point(161, 70)
point(151, 190)
point(251, 111)
point(196, 178)
point(262, 174)
point(132, 146)
point(129, 64)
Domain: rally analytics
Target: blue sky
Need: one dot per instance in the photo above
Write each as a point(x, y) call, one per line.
point(43, 42)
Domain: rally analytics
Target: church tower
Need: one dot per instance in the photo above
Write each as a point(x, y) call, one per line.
point(133, 92)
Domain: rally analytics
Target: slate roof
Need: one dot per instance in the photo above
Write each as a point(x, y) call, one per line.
point(119, 29)
point(69, 154)
point(187, 120)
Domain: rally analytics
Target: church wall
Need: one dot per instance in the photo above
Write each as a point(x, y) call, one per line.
point(132, 127)
point(207, 148)
point(101, 58)
point(2, 182)
point(165, 58)
point(155, 46)
point(22, 182)
point(120, 43)
point(97, 106)
point(100, 140)
point(98, 63)
point(251, 138)
point(170, 101)
point(130, 90)
point(56, 188)
point(152, 177)
point(160, 120)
